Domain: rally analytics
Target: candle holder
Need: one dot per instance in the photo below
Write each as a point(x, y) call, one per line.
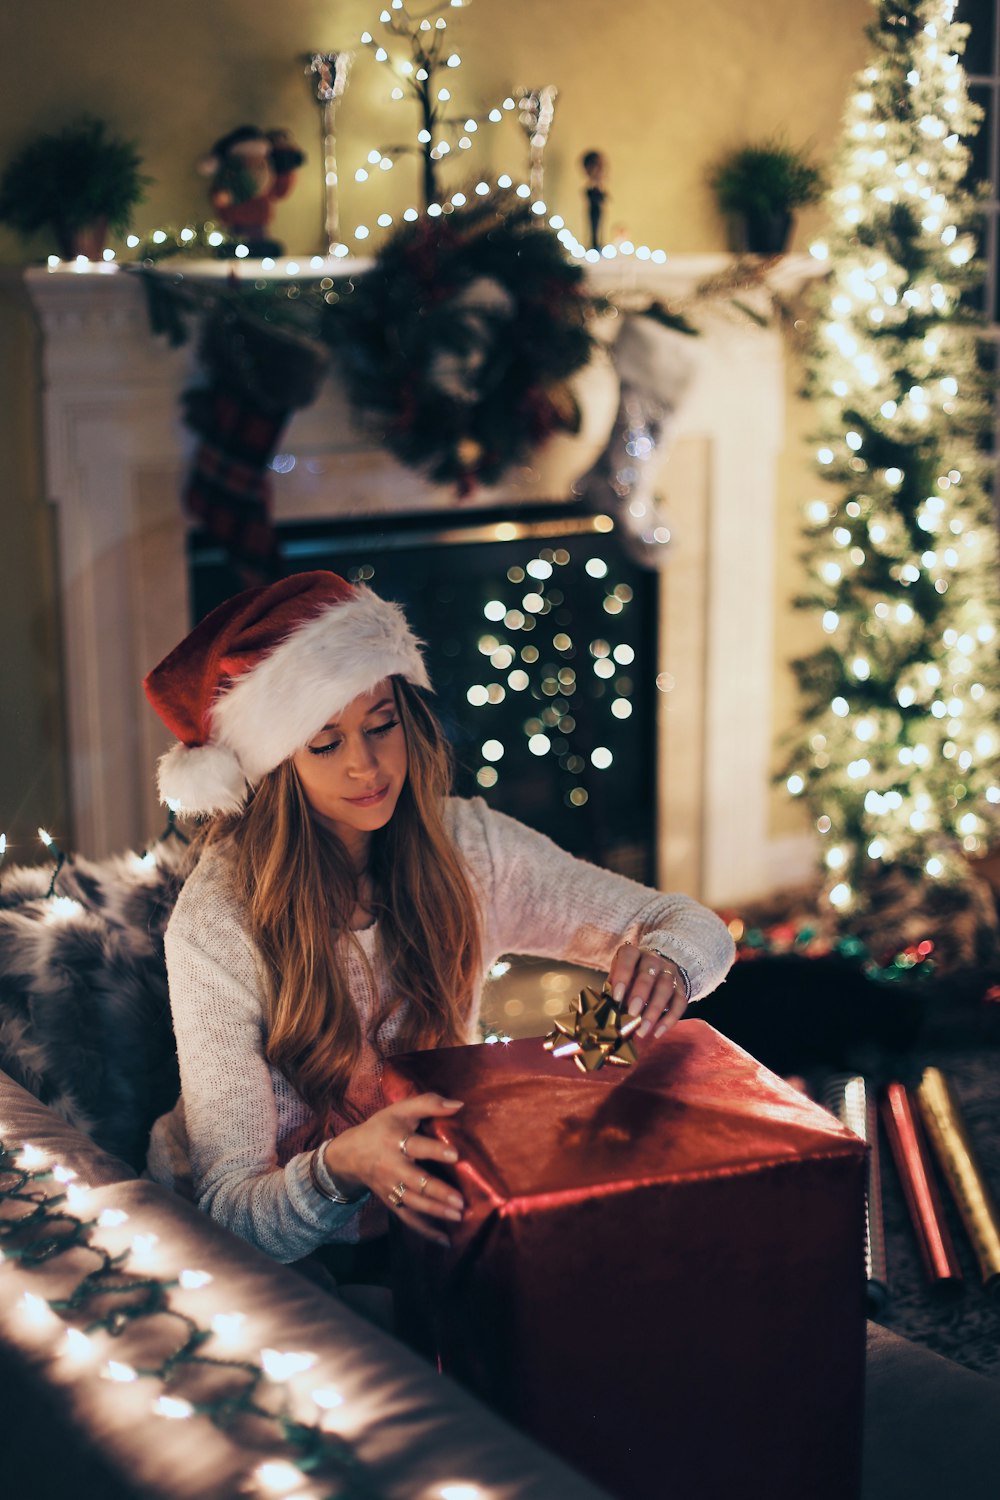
point(327, 72)
point(535, 109)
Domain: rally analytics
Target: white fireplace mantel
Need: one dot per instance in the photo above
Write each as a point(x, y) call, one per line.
point(115, 458)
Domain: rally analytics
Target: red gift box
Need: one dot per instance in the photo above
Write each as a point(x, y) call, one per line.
point(660, 1272)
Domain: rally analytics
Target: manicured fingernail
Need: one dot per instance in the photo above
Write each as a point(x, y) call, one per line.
point(451, 1156)
point(635, 1005)
point(453, 1103)
point(618, 993)
point(456, 1201)
point(643, 1029)
point(453, 1213)
point(442, 1239)
point(659, 1031)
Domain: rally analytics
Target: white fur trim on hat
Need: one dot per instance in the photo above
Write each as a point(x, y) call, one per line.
point(201, 779)
point(280, 704)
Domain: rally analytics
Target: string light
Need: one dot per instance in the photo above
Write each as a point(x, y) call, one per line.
point(35, 1231)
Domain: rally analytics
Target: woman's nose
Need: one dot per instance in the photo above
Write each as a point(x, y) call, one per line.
point(361, 757)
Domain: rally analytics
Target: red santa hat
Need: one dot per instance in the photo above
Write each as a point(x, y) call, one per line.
point(262, 674)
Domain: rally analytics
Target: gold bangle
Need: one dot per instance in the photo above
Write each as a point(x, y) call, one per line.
point(338, 1195)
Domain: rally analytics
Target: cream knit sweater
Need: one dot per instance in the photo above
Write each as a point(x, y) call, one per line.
point(235, 1140)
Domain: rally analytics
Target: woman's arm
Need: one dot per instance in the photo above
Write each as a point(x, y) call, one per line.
point(230, 1109)
point(541, 900)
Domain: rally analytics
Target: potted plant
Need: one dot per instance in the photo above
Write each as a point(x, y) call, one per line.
point(760, 186)
point(79, 183)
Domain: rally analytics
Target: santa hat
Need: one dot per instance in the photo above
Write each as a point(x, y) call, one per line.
point(262, 674)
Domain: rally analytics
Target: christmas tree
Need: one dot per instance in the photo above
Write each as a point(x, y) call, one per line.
point(898, 750)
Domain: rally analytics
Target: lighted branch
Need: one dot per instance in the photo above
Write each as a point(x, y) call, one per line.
point(898, 746)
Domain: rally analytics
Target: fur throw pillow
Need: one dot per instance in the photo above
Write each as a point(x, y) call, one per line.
point(84, 1014)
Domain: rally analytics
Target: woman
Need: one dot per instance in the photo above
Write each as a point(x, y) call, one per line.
point(344, 908)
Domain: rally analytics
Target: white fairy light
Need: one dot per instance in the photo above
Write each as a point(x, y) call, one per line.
point(278, 1477)
point(229, 1327)
point(280, 1365)
point(194, 1280)
point(175, 1408)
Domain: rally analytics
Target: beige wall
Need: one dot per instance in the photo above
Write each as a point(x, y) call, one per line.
point(662, 88)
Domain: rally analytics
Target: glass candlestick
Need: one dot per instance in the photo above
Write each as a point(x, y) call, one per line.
point(535, 108)
point(327, 72)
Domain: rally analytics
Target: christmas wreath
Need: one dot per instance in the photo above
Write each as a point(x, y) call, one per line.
point(459, 342)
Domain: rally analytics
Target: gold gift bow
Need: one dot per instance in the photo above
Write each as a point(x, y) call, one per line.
point(594, 1032)
point(946, 1129)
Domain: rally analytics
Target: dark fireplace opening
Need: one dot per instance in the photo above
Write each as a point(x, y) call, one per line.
point(541, 645)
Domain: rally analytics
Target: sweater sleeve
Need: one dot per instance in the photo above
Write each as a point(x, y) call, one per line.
point(548, 903)
point(230, 1109)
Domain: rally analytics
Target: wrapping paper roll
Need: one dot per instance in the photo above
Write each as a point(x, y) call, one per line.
point(850, 1098)
point(949, 1138)
point(909, 1151)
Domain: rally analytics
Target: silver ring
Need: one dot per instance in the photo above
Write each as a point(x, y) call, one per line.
point(402, 1144)
point(397, 1195)
point(423, 1182)
point(655, 971)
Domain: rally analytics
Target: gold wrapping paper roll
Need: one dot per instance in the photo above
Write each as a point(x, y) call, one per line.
point(945, 1127)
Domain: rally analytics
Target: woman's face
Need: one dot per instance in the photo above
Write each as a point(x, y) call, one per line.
point(353, 770)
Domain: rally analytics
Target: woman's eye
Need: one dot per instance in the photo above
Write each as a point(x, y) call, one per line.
point(384, 728)
point(323, 749)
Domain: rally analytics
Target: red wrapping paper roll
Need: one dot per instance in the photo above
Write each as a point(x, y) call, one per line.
point(909, 1151)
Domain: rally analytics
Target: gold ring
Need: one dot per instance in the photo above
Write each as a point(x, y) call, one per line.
point(423, 1182)
point(402, 1144)
point(397, 1195)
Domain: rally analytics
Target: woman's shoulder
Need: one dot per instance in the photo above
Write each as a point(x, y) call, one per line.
point(209, 901)
point(485, 837)
point(466, 822)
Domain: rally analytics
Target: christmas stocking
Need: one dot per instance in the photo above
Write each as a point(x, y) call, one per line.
point(654, 364)
point(257, 376)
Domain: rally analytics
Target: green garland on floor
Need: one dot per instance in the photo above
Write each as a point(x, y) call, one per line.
point(809, 940)
point(37, 1226)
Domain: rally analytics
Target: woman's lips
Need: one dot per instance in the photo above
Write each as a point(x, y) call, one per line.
point(370, 799)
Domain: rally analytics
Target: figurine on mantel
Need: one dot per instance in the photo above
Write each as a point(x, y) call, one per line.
point(250, 171)
point(595, 166)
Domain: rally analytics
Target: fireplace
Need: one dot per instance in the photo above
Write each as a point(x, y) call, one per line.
point(697, 742)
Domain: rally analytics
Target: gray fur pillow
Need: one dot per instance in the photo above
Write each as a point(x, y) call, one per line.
point(84, 1013)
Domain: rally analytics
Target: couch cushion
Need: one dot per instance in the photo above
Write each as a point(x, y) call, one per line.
point(24, 1118)
point(412, 1431)
point(932, 1428)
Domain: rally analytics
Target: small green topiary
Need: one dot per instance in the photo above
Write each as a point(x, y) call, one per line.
point(769, 178)
point(79, 177)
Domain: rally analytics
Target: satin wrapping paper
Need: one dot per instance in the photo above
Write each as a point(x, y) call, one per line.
point(659, 1274)
point(849, 1096)
point(949, 1138)
point(909, 1152)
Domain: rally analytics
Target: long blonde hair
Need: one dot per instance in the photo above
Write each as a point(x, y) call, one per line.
point(300, 890)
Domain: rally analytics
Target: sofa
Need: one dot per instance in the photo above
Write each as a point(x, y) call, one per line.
point(85, 1039)
point(932, 1428)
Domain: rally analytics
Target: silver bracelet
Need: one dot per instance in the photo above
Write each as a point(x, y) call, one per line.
point(337, 1195)
point(679, 967)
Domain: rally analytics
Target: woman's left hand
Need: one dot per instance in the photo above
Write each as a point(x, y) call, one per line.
point(649, 985)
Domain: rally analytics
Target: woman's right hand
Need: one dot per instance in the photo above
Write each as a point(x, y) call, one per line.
point(371, 1155)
